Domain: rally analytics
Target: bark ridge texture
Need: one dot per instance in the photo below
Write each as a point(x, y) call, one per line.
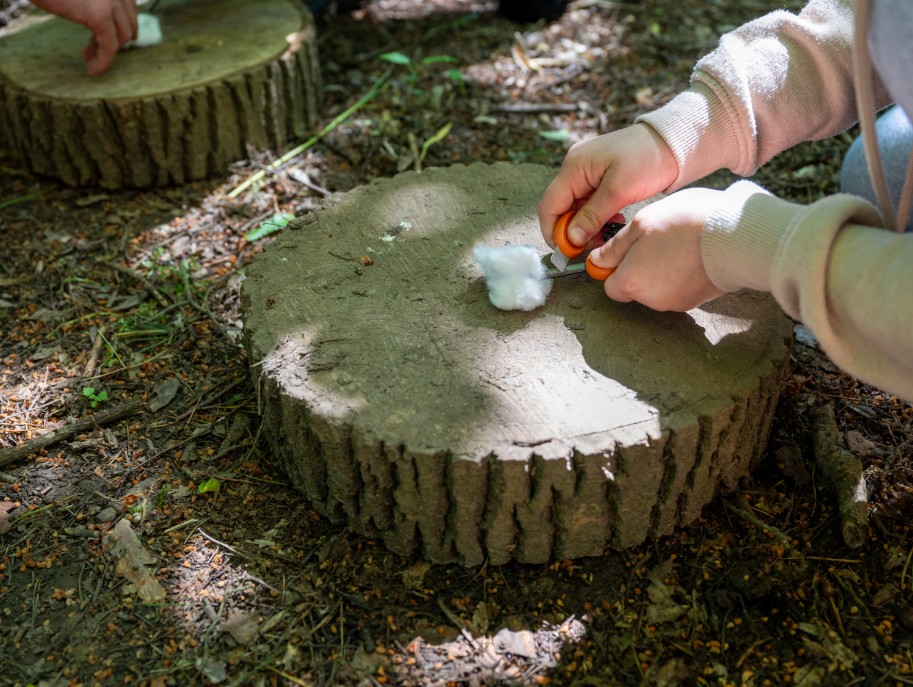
point(228, 75)
point(400, 402)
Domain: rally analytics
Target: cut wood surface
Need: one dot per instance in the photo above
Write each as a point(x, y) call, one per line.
point(229, 73)
point(402, 403)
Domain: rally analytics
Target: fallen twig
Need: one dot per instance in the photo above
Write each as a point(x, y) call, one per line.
point(745, 515)
point(204, 404)
point(95, 353)
point(103, 417)
point(201, 307)
point(843, 470)
point(302, 177)
point(23, 199)
point(139, 279)
point(535, 108)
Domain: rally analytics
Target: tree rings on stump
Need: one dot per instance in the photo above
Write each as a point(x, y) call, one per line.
point(402, 403)
point(228, 74)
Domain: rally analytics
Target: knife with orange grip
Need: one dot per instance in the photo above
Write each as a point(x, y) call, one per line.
point(566, 251)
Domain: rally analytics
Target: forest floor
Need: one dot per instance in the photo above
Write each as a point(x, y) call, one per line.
point(164, 547)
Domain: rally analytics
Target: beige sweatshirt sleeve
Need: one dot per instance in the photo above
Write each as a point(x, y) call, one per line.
point(829, 265)
point(772, 83)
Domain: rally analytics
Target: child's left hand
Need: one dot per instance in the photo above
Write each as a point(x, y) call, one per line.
point(657, 256)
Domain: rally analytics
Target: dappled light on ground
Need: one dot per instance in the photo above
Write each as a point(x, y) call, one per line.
point(108, 299)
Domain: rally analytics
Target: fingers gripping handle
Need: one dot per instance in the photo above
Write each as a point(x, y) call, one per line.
point(597, 272)
point(559, 234)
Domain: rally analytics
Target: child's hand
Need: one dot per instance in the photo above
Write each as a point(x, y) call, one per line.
point(658, 254)
point(112, 23)
point(602, 175)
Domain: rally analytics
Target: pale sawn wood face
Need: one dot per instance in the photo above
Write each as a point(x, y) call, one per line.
point(203, 41)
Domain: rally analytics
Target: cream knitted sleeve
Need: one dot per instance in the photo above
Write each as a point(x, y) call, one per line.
point(828, 264)
point(772, 83)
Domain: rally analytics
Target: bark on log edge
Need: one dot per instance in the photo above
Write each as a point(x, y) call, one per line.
point(172, 138)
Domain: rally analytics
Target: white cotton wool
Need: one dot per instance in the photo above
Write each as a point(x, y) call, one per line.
point(148, 31)
point(514, 275)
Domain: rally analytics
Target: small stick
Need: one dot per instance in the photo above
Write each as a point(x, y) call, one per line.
point(745, 515)
point(302, 177)
point(209, 399)
point(94, 354)
point(535, 108)
point(222, 544)
point(13, 453)
point(843, 470)
point(139, 279)
point(413, 148)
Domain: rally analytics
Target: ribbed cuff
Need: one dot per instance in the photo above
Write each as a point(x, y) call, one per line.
point(742, 236)
point(696, 127)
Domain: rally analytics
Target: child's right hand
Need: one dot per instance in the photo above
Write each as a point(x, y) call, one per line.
point(602, 175)
point(112, 23)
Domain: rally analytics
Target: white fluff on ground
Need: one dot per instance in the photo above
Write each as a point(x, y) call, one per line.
point(515, 276)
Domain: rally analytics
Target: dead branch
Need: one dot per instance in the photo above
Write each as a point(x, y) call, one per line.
point(773, 531)
point(95, 353)
point(138, 278)
point(843, 470)
point(103, 417)
point(535, 108)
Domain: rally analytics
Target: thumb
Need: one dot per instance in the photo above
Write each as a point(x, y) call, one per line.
point(585, 224)
point(611, 255)
point(590, 218)
point(613, 251)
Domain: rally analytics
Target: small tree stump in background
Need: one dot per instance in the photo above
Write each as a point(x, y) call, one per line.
point(401, 402)
point(229, 73)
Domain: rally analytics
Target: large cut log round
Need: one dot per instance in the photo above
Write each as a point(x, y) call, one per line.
point(402, 403)
point(229, 73)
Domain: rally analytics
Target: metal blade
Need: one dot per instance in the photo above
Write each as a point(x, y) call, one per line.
point(576, 268)
point(560, 260)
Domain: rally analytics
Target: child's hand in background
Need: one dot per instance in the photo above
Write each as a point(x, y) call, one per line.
point(112, 23)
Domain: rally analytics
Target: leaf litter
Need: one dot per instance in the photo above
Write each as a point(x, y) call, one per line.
point(135, 562)
point(507, 657)
point(137, 294)
point(6, 515)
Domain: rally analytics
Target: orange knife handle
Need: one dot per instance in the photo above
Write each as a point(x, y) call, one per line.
point(559, 234)
point(597, 272)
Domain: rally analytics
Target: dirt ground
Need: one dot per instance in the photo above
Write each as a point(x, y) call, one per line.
point(164, 547)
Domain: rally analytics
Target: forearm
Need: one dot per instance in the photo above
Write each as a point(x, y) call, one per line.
point(829, 265)
point(772, 83)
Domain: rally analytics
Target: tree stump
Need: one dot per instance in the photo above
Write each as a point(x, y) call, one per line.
point(228, 74)
point(402, 403)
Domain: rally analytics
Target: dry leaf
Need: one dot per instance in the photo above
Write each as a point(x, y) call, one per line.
point(505, 658)
point(857, 443)
point(522, 643)
point(663, 607)
point(6, 509)
point(480, 616)
point(133, 561)
point(165, 393)
point(243, 627)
